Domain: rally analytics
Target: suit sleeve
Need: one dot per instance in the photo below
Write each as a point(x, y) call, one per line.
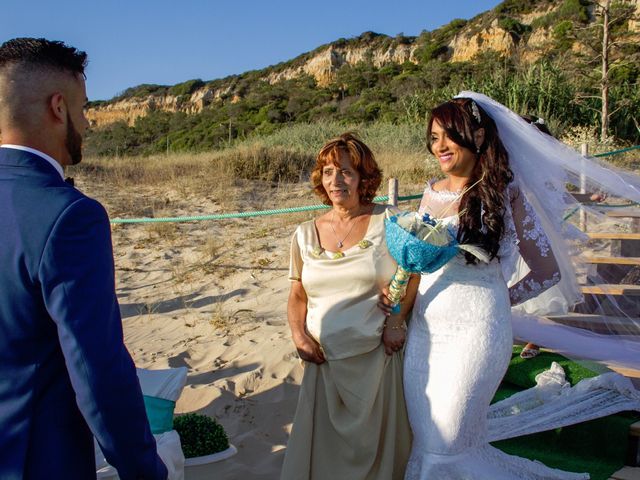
point(78, 284)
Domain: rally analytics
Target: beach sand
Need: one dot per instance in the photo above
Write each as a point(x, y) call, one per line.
point(211, 296)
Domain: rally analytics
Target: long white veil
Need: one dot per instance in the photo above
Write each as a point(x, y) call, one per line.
point(544, 167)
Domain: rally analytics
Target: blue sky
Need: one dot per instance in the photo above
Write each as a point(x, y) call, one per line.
point(143, 41)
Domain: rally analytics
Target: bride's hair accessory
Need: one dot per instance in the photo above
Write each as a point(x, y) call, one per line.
point(476, 113)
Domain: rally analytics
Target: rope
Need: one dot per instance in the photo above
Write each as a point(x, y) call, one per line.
point(225, 216)
point(279, 211)
point(606, 154)
point(616, 152)
point(572, 212)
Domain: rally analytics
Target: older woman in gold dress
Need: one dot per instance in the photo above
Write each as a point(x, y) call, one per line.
point(351, 421)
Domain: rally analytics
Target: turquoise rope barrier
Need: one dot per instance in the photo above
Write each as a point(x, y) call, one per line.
point(225, 216)
point(616, 152)
point(279, 211)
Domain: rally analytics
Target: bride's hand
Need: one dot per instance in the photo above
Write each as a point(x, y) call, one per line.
point(308, 349)
point(393, 338)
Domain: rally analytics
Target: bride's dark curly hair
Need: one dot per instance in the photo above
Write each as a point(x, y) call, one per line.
point(482, 220)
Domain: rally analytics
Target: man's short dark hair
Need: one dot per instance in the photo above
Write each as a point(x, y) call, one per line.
point(43, 53)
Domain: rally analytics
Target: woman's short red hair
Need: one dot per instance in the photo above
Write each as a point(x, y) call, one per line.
point(362, 160)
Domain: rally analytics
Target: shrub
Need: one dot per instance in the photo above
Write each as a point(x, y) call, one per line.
point(514, 27)
point(186, 88)
point(200, 435)
point(141, 91)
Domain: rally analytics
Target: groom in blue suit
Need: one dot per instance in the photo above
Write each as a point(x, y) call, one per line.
point(65, 374)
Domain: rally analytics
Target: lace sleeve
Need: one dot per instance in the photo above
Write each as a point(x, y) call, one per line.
point(535, 249)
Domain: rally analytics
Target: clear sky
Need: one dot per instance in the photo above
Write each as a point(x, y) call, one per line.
point(130, 42)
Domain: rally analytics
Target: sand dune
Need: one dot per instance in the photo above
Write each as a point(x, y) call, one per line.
point(212, 296)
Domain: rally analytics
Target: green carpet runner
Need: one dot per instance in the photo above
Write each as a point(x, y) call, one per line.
point(598, 447)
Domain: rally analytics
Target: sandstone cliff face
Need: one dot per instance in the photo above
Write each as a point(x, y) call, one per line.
point(322, 66)
point(128, 110)
point(465, 47)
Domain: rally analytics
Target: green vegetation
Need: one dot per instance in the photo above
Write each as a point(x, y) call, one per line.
point(144, 90)
point(576, 11)
point(561, 87)
point(514, 27)
point(186, 88)
point(200, 435)
point(520, 7)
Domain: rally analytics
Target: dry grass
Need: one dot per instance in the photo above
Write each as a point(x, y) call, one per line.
point(220, 320)
point(262, 173)
point(162, 230)
point(244, 178)
point(179, 268)
point(212, 249)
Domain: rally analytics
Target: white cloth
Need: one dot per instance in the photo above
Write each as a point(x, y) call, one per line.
point(167, 384)
point(46, 157)
point(553, 403)
point(169, 451)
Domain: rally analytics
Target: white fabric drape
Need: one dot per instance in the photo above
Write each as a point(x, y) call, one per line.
point(553, 403)
point(544, 167)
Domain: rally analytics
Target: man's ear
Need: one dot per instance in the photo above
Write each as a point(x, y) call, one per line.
point(478, 137)
point(58, 107)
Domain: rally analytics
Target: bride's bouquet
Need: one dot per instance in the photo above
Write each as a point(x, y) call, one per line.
point(420, 244)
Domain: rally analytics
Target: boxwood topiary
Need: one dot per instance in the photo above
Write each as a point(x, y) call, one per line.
point(200, 435)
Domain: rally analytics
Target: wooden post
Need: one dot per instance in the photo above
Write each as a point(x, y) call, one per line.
point(393, 192)
point(584, 150)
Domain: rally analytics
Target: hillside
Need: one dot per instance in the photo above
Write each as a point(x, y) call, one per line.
point(525, 53)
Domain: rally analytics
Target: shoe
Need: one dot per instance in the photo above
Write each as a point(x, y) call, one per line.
point(529, 352)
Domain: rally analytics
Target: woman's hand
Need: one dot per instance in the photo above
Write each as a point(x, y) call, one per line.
point(308, 349)
point(393, 337)
point(384, 303)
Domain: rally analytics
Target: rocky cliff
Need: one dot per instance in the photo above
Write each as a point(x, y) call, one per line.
point(486, 32)
point(322, 66)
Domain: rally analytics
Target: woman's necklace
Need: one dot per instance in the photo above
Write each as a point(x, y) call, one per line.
point(341, 242)
point(450, 189)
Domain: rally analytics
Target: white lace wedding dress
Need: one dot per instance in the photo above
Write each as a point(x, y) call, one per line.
point(459, 346)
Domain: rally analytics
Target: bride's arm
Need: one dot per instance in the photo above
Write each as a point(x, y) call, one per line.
point(535, 249)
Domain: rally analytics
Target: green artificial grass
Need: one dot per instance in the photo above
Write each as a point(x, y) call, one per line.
point(597, 447)
point(522, 373)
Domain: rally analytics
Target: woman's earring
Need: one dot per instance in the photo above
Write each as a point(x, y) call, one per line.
point(478, 150)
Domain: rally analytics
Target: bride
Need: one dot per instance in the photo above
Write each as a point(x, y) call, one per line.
point(460, 338)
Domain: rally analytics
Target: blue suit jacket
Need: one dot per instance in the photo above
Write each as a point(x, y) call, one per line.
point(64, 370)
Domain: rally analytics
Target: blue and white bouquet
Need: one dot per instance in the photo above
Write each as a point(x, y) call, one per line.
point(420, 244)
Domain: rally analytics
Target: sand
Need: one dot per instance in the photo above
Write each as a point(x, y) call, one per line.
point(211, 296)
